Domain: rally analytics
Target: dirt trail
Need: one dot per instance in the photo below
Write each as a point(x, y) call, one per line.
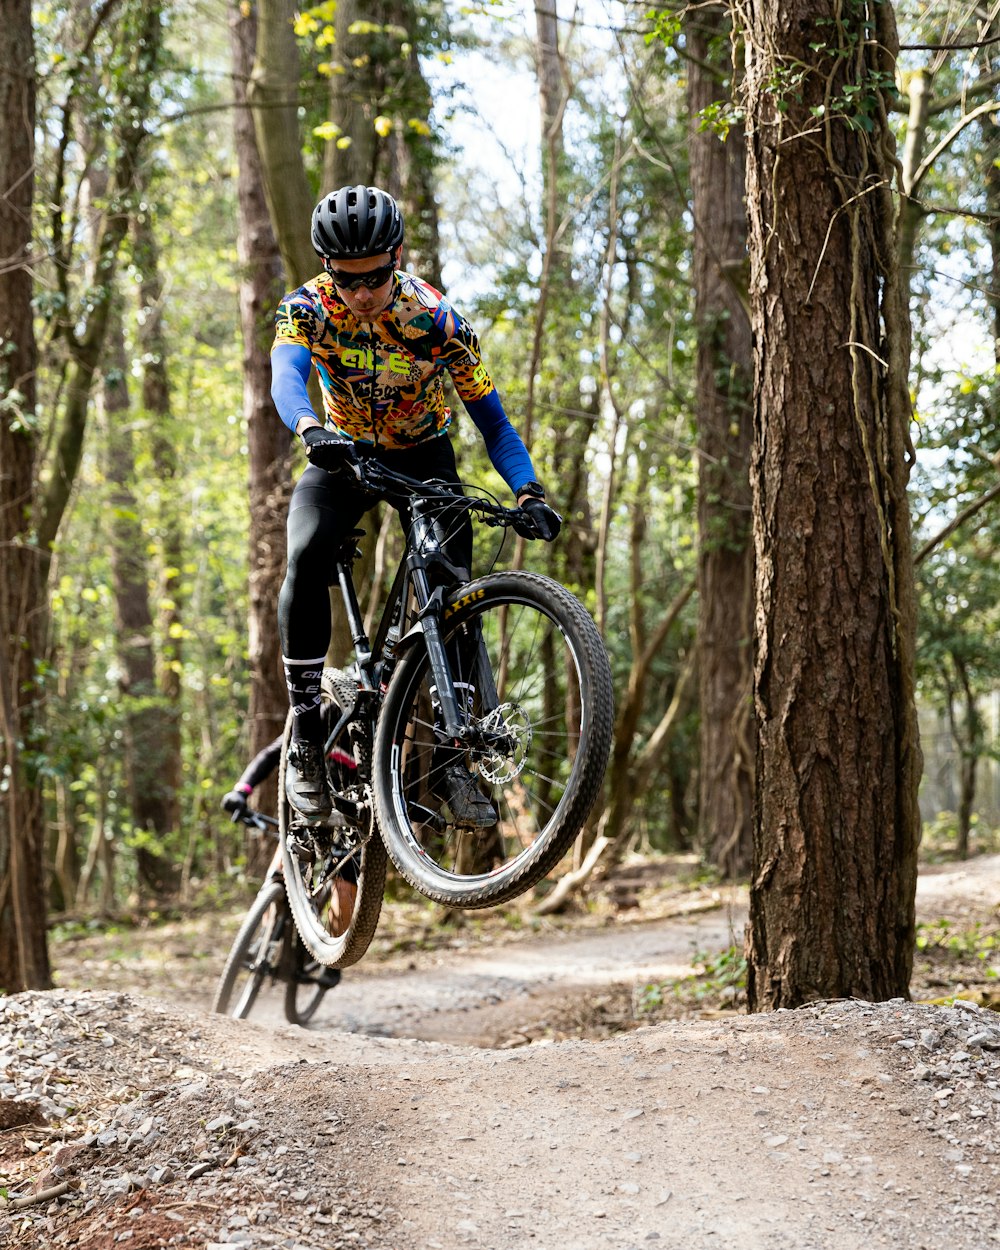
point(486, 997)
point(838, 1126)
point(508, 993)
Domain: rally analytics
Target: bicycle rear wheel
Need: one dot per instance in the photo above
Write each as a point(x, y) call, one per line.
point(256, 954)
point(533, 677)
point(336, 892)
point(303, 993)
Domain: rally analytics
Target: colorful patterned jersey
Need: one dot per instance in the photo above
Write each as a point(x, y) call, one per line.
point(383, 381)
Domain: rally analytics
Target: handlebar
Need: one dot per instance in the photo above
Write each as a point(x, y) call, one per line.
point(389, 484)
point(259, 821)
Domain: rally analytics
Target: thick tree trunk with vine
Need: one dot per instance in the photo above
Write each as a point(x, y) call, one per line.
point(24, 961)
point(261, 289)
point(836, 822)
point(724, 384)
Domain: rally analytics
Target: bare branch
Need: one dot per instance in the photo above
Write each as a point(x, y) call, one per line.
point(943, 144)
point(976, 506)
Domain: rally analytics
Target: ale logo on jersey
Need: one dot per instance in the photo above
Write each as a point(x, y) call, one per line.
point(364, 358)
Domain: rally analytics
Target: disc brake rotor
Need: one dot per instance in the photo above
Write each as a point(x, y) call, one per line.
point(501, 763)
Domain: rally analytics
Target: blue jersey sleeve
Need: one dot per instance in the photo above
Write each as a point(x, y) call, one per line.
point(290, 365)
point(503, 443)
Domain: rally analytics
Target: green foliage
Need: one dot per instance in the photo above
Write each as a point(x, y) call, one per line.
point(980, 943)
point(717, 978)
point(667, 25)
point(493, 228)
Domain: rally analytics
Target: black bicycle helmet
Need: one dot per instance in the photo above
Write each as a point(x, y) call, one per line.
point(356, 222)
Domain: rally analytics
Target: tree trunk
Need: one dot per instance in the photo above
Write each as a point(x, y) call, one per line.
point(24, 960)
point(352, 106)
point(273, 92)
point(920, 91)
point(725, 425)
point(991, 149)
point(836, 822)
point(86, 344)
point(376, 75)
point(969, 740)
point(146, 765)
point(261, 288)
point(166, 712)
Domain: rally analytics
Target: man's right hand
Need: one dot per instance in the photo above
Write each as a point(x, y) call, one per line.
point(328, 451)
point(234, 802)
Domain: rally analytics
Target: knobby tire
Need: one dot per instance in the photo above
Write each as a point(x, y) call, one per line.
point(309, 887)
point(552, 713)
point(266, 924)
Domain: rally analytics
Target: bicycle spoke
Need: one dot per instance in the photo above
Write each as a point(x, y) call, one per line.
point(480, 818)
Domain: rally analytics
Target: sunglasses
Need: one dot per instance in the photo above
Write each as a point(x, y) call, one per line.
point(354, 281)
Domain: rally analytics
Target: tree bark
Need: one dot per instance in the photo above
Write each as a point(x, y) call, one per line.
point(991, 155)
point(836, 822)
point(166, 712)
point(146, 766)
point(375, 75)
point(85, 345)
point(353, 107)
point(261, 289)
point(273, 93)
point(24, 960)
point(724, 384)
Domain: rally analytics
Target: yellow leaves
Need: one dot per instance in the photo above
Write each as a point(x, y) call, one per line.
point(344, 143)
point(246, 8)
point(305, 24)
point(327, 131)
point(419, 126)
point(383, 126)
point(364, 28)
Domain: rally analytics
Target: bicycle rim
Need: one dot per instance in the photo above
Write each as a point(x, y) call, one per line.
point(302, 995)
point(541, 711)
point(336, 895)
point(256, 953)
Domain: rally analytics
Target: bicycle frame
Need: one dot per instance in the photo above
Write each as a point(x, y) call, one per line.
point(424, 551)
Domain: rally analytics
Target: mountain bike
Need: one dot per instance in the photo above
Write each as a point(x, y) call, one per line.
point(505, 675)
point(266, 950)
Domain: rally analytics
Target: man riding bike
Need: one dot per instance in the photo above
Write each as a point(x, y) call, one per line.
point(381, 341)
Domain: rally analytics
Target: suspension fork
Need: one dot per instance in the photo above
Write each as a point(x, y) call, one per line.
point(426, 548)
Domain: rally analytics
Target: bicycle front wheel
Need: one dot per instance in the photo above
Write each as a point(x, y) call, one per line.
point(335, 872)
point(479, 824)
point(256, 954)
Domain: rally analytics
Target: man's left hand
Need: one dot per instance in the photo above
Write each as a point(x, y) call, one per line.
point(541, 521)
